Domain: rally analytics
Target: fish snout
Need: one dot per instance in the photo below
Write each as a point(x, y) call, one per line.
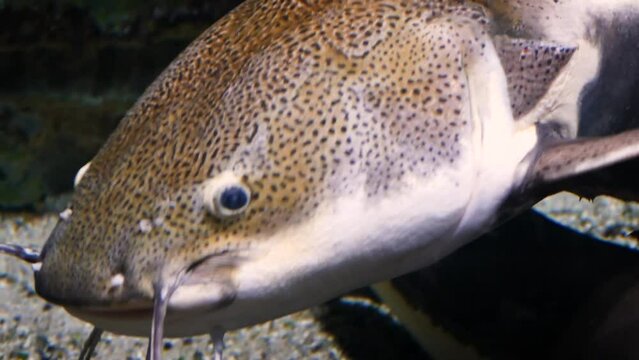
point(71, 276)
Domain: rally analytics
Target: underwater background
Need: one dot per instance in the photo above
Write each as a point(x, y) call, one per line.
point(70, 69)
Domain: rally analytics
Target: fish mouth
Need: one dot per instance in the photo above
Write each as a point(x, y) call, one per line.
point(136, 309)
point(129, 319)
point(137, 319)
point(206, 285)
point(178, 303)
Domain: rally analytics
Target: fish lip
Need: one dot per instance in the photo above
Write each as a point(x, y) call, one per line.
point(121, 310)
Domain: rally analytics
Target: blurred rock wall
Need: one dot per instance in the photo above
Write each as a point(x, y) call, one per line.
point(69, 70)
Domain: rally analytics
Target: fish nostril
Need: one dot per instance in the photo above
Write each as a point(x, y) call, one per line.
point(145, 226)
point(117, 281)
point(80, 174)
point(66, 214)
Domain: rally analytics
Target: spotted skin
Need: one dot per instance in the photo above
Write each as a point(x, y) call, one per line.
point(150, 165)
point(531, 67)
point(292, 97)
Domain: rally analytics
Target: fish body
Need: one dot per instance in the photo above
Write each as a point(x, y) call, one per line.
point(361, 167)
point(300, 149)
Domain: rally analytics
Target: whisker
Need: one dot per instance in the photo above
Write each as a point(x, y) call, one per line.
point(160, 304)
point(90, 344)
point(217, 337)
point(26, 254)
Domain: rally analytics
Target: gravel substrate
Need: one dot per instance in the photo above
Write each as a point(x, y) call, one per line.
point(604, 217)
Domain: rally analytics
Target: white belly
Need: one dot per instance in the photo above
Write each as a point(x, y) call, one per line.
point(352, 242)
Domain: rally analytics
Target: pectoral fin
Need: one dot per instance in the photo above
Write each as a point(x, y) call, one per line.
point(620, 180)
point(567, 165)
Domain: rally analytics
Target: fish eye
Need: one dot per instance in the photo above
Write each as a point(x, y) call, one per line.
point(234, 198)
point(226, 196)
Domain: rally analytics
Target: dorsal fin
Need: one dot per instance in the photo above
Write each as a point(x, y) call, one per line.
point(531, 67)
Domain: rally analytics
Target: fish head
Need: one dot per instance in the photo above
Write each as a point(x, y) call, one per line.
point(198, 170)
point(247, 136)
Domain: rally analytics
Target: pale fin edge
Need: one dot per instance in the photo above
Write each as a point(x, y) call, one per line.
point(559, 161)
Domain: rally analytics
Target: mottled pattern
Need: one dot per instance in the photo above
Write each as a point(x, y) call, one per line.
point(531, 67)
point(304, 101)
